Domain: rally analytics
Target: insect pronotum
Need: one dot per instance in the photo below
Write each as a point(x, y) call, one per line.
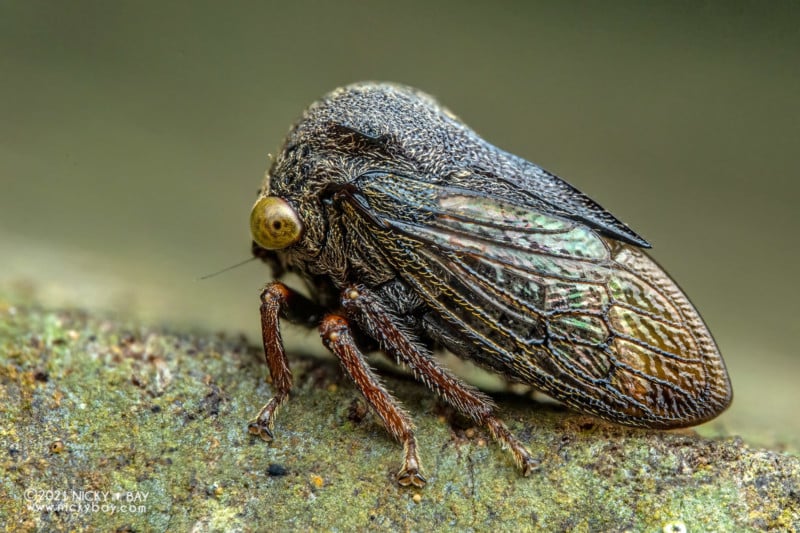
point(413, 234)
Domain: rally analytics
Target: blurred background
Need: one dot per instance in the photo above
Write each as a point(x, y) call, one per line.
point(134, 135)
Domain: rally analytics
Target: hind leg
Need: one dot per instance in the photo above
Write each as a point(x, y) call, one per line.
point(380, 324)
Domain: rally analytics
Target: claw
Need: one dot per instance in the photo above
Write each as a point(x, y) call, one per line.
point(530, 465)
point(263, 423)
point(411, 473)
point(411, 477)
point(258, 427)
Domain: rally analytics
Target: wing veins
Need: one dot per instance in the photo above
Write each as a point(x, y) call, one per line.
point(668, 384)
point(499, 225)
point(659, 351)
point(562, 361)
point(448, 253)
point(473, 274)
point(404, 227)
point(652, 316)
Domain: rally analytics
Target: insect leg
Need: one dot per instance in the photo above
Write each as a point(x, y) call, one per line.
point(373, 317)
point(278, 300)
point(336, 335)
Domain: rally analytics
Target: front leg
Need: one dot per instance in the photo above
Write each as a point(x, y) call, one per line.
point(278, 300)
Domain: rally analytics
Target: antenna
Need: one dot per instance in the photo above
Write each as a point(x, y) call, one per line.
point(218, 272)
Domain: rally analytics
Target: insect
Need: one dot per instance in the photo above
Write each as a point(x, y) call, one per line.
point(412, 234)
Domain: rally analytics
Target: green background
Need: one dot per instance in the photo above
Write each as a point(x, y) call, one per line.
point(133, 138)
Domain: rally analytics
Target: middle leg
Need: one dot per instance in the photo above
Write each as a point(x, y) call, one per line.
point(336, 336)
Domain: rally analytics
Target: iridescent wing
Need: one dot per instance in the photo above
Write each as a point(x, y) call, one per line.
point(545, 299)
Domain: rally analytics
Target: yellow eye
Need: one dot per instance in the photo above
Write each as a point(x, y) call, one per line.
point(274, 224)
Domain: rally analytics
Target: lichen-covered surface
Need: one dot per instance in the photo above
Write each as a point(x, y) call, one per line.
point(96, 415)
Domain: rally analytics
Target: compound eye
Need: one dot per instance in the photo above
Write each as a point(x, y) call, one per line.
point(274, 224)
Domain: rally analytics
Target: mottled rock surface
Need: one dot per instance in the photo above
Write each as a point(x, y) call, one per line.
point(97, 414)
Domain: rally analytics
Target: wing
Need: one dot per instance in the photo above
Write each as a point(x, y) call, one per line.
point(545, 299)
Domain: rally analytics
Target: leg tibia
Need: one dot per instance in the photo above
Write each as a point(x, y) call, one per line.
point(278, 300)
point(336, 335)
